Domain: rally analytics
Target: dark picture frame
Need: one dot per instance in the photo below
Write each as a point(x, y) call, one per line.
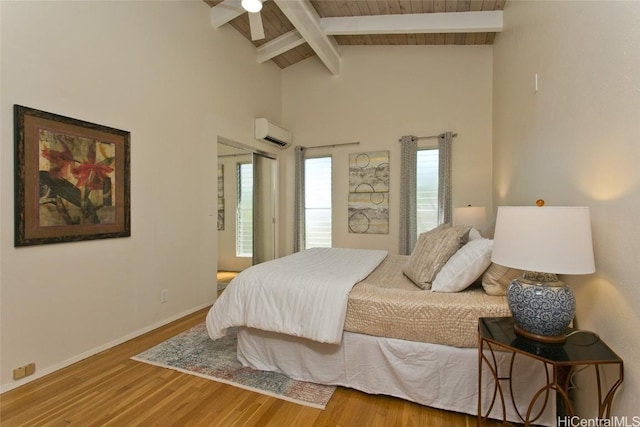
point(72, 179)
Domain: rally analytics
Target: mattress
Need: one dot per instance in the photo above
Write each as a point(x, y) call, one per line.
point(388, 304)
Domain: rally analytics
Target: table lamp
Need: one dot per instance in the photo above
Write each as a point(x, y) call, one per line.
point(543, 241)
point(474, 216)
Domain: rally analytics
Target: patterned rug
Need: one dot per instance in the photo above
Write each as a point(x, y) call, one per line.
point(193, 352)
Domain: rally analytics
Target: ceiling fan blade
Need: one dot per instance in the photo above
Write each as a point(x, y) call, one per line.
point(225, 12)
point(255, 22)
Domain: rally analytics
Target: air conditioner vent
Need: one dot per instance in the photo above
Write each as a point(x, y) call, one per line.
point(271, 133)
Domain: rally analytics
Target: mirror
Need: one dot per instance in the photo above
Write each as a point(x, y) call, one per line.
point(264, 212)
point(247, 202)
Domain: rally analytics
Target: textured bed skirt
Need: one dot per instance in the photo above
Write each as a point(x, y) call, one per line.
point(430, 374)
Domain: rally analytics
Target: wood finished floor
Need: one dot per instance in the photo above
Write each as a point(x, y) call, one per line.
point(226, 276)
point(109, 389)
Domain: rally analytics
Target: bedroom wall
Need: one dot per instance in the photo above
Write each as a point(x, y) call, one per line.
point(160, 71)
point(575, 142)
point(382, 93)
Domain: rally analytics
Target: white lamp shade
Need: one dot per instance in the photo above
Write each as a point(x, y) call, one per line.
point(544, 239)
point(252, 6)
point(474, 216)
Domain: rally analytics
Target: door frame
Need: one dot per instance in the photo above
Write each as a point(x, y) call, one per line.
point(250, 150)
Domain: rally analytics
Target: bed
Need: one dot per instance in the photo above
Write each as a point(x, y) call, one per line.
point(362, 319)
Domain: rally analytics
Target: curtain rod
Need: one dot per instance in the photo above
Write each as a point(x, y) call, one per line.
point(334, 145)
point(430, 136)
point(434, 136)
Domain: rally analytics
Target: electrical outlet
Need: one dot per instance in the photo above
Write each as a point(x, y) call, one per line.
point(19, 373)
point(164, 296)
point(24, 371)
point(30, 369)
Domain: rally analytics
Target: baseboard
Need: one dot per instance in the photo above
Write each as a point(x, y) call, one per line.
point(48, 370)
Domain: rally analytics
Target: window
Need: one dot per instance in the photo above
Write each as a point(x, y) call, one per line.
point(317, 202)
point(426, 190)
point(244, 214)
point(425, 201)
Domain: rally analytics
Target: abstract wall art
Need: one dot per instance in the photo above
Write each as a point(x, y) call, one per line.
point(369, 192)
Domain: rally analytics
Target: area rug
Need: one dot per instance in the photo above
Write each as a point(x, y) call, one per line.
point(193, 352)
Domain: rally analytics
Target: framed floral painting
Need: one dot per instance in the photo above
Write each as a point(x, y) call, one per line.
point(72, 179)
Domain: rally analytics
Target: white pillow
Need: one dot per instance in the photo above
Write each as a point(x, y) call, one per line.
point(474, 234)
point(464, 267)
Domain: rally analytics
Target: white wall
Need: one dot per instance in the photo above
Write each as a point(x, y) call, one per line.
point(382, 93)
point(158, 70)
point(577, 142)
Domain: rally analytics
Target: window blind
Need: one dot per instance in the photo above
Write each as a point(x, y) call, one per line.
point(427, 190)
point(317, 202)
point(244, 214)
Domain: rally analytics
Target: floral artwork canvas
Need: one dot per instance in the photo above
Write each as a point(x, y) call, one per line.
point(71, 179)
point(76, 180)
point(220, 197)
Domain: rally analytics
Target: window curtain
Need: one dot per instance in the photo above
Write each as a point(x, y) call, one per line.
point(298, 217)
point(408, 222)
point(444, 177)
point(408, 160)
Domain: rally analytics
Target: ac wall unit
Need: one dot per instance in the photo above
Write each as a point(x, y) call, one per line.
point(273, 134)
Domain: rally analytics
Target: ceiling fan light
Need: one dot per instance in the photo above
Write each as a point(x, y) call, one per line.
point(252, 6)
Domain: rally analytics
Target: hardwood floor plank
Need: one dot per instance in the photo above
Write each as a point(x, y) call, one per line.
point(110, 389)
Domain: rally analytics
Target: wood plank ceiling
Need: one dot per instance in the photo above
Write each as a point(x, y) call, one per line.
point(276, 24)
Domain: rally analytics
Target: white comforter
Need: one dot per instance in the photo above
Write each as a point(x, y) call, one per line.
point(304, 294)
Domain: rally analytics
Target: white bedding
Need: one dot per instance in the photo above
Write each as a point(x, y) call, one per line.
point(303, 295)
point(434, 375)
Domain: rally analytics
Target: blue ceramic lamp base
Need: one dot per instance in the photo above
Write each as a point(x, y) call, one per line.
point(542, 306)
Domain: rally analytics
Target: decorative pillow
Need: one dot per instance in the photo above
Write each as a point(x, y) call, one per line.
point(464, 267)
point(496, 279)
point(474, 234)
point(433, 249)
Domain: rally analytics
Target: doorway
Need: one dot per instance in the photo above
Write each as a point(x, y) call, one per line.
point(247, 206)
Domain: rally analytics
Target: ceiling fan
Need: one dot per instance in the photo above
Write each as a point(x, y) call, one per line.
point(253, 7)
point(227, 10)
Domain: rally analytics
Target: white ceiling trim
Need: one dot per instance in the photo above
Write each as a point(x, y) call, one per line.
point(318, 32)
point(279, 45)
point(418, 23)
point(307, 21)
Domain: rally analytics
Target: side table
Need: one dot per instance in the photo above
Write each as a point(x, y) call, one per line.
point(497, 334)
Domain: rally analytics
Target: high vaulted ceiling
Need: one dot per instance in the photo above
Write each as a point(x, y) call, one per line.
point(298, 29)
